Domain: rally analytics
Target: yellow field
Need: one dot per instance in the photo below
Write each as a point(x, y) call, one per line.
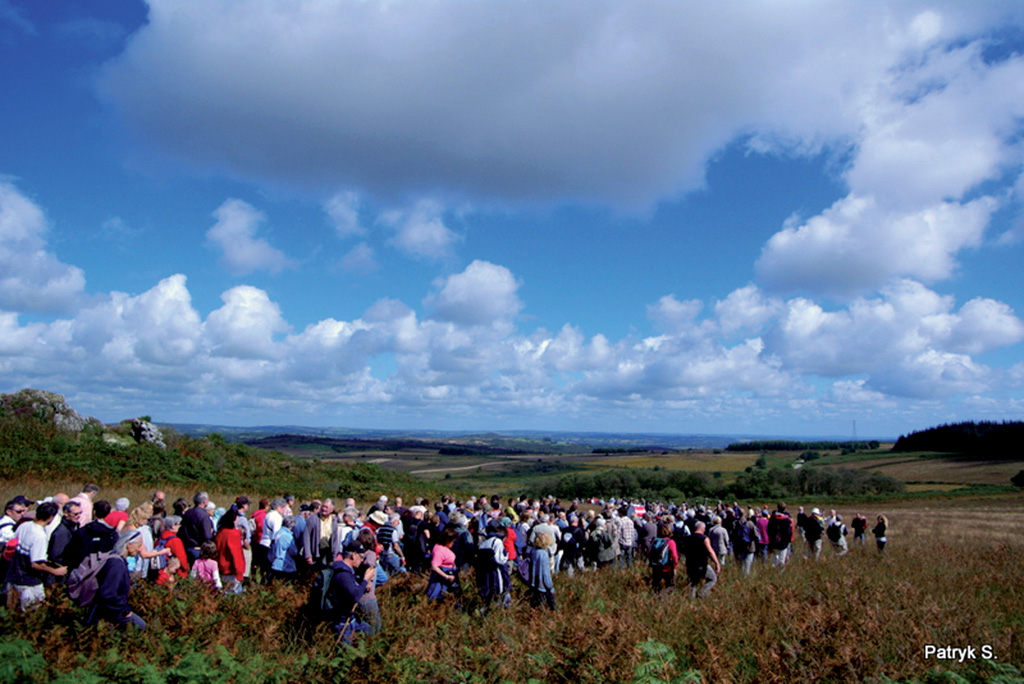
point(695, 461)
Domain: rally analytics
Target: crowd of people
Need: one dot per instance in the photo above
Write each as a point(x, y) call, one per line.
point(345, 553)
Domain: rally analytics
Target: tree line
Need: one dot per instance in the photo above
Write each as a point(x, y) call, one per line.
point(989, 439)
point(678, 486)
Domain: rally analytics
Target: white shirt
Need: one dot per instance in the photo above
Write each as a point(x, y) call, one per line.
point(271, 524)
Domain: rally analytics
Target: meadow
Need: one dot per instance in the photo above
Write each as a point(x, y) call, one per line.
point(949, 577)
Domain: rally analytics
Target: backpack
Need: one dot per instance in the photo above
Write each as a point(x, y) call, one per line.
point(659, 555)
point(321, 603)
point(83, 582)
point(159, 562)
point(835, 532)
point(744, 535)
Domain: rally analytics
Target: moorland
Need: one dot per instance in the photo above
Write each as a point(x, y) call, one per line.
point(950, 576)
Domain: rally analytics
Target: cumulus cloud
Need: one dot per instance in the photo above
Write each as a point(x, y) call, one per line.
point(910, 341)
point(235, 235)
point(746, 310)
point(857, 245)
point(611, 102)
point(421, 231)
point(245, 326)
point(32, 279)
point(482, 294)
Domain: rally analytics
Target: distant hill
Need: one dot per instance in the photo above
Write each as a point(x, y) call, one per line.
point(988, 440)
point(531, 441)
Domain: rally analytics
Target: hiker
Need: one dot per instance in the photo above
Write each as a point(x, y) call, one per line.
point(879, 531)
point(271, 524)
point(284, 552)
point(205, 568)
point(541, 584)
point(391, 558)
point(29, 565)
point(114, 584)
point(663, 559)
point(627, 542)
point(860, 527)
point(96, 537)
point(443, 577)
point(171, 541)
point(836, 533)
point(744, 541)
point(719, 538)
point(84, 499)
point(780, 535)
point(367, 608)
point(814, 528)
point(698, 553)
point(492, 575)
point(230, 558)
point(196, 526)
point(345, 590)
point(602, 543)
point(322, 539)
point(763, 541)
point(64, 532)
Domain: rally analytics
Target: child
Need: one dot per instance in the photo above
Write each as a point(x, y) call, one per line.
point(206, 568)
point(168, 575)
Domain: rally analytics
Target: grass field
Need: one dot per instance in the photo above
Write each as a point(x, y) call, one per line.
point(949, 577)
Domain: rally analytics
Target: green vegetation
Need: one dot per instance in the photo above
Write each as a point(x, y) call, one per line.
point(30, 447)
point(674, 485)
point(984, 439)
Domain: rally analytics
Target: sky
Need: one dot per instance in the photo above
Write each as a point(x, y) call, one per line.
point(779, 217)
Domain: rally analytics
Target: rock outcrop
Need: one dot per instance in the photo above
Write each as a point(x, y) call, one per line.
point(46, 406)
point(145, 432)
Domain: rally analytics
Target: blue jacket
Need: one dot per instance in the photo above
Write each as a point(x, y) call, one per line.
point(284, 551)
point(540, 571)
point(345, 591)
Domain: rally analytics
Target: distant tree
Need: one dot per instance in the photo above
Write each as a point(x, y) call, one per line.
point(1018, 479)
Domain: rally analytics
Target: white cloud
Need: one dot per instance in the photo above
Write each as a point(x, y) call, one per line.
point(746, 310)
point(245, 326)
point(235, 234)
point(343, 209)
point(673, 315)
point(31, 278)
point(482, 294)
point(857, 245)
point(612, 102)
point(421, 232)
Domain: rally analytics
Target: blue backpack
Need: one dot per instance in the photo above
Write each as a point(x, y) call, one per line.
point(659, 556)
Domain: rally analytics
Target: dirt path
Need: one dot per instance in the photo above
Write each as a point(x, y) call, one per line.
point(449, 470)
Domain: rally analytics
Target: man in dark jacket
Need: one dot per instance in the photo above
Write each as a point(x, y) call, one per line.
point(96, 537)
point(780, 535)
point(111, 603)
point(196, 526)
point(64, 532)
point(321, 540)
point(346, 589)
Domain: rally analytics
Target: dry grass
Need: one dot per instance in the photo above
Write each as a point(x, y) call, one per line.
point(951, 575)
point(952, 470)
point(698, 461)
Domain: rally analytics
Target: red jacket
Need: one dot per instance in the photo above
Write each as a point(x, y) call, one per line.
point(230, 559)
point(177, 548)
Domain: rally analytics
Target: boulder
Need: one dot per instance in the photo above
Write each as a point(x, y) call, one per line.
point(145, 432)
point(46, 406)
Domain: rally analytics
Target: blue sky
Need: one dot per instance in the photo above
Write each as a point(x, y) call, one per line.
point(758, 217)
